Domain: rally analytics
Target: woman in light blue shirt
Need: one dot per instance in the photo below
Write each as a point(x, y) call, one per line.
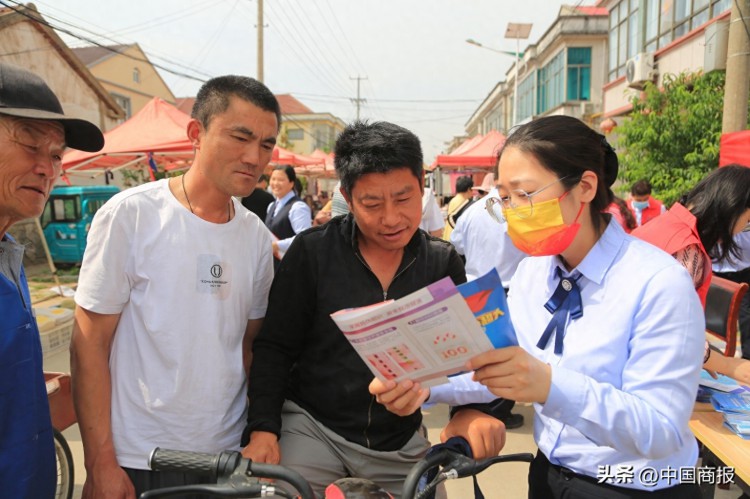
point(610, 329)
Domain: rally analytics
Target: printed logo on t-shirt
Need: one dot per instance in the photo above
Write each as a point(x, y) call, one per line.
point(214, 276)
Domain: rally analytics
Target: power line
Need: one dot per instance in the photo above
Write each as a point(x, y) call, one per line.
point(314, 71)
point(116, 42)
point(433, 101)
point(316, 68)
point(165, 19)
point(316, 51)
point(93, 42)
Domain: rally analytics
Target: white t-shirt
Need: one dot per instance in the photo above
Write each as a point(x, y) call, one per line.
point(432, 217)
point(185, 289)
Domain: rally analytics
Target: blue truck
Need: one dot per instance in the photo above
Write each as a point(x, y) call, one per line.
point(67, 217)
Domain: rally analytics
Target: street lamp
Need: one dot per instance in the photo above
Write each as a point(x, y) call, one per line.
point(517, 55)
point(471, 41)
point(519, 31)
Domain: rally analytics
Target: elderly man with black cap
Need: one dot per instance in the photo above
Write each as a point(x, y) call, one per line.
point(34, 133)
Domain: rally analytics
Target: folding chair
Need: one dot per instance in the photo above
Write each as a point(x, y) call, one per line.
point(723, 311)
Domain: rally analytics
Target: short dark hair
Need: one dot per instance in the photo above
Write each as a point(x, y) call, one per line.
point(464, 184)
point(568, 147)
point(290, 173)
point(717, 202)
point(378, 147)
point(213, 97)
point(263, 178)
point(641, 188)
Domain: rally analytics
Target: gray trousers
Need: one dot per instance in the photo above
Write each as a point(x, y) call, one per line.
point(322, 456)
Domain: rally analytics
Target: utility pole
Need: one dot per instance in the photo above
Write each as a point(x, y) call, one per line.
point(358, 101)
point(260, 41)
point(737, 86)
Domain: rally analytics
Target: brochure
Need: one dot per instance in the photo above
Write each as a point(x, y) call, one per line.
point(721, 383)
point(431, 333)
point(731, 403)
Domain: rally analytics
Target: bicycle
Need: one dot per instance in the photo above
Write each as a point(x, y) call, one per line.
point(236, 476)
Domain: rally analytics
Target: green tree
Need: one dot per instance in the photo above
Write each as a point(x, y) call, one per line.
point(672, 136)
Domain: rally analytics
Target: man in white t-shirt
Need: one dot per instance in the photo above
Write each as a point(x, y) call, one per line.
point(172, 291)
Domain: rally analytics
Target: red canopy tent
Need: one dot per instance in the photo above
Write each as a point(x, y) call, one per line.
point(283, 156)
point(476, 153)
point(159, 130)
point(735, 148)
point(328, 170)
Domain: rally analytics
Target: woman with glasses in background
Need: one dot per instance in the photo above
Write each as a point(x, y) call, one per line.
point(610, 330)
point(694, 231)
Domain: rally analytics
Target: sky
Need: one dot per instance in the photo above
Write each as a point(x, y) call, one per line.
point(420, 72)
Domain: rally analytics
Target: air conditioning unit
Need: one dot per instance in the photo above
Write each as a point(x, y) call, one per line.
point(587, 108)
point(640, 69)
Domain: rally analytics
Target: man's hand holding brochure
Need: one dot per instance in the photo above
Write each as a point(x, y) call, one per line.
point(431, 333)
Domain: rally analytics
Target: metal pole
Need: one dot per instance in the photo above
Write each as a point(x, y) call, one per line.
point(51, 264)
point(358, 100)
point(738, 69)
point(358, 82)
point(260, 41)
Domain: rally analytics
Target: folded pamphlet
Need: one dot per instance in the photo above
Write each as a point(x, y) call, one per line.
point(721, 383)
point(431, 333)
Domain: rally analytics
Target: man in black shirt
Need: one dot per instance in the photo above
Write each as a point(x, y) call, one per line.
point(310, 407)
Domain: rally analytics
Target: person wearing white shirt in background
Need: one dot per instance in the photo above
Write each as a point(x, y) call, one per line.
point(288, 215)
point(485, 243)
point(738, 270)
point(432, 218)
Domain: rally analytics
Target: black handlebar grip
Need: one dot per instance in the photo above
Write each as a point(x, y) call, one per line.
point(183, 461)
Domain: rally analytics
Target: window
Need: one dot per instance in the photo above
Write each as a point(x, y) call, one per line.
point(719, 6)
point(93, 206)
point(525, 99)
point(579, 73)
point(124, 102)
point(667, 20)
point(295, 134)
point(652, 24)
point(551, 84)
point(136, 75)
point(62, 209)
point(624, 35)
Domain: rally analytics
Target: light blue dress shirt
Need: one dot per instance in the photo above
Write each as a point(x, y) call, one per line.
point(300, 217)
point(733, 264)
point(624, 386)
point(485, 243)
point(460, 390)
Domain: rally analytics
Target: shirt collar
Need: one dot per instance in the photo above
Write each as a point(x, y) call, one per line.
point(601, 257)
point(289, 195)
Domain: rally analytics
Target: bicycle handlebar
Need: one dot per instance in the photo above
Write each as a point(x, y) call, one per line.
point(231, 472)
point(454, 465)
point(229, 469)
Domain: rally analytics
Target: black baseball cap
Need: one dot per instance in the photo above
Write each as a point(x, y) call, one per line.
point(25, 95)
